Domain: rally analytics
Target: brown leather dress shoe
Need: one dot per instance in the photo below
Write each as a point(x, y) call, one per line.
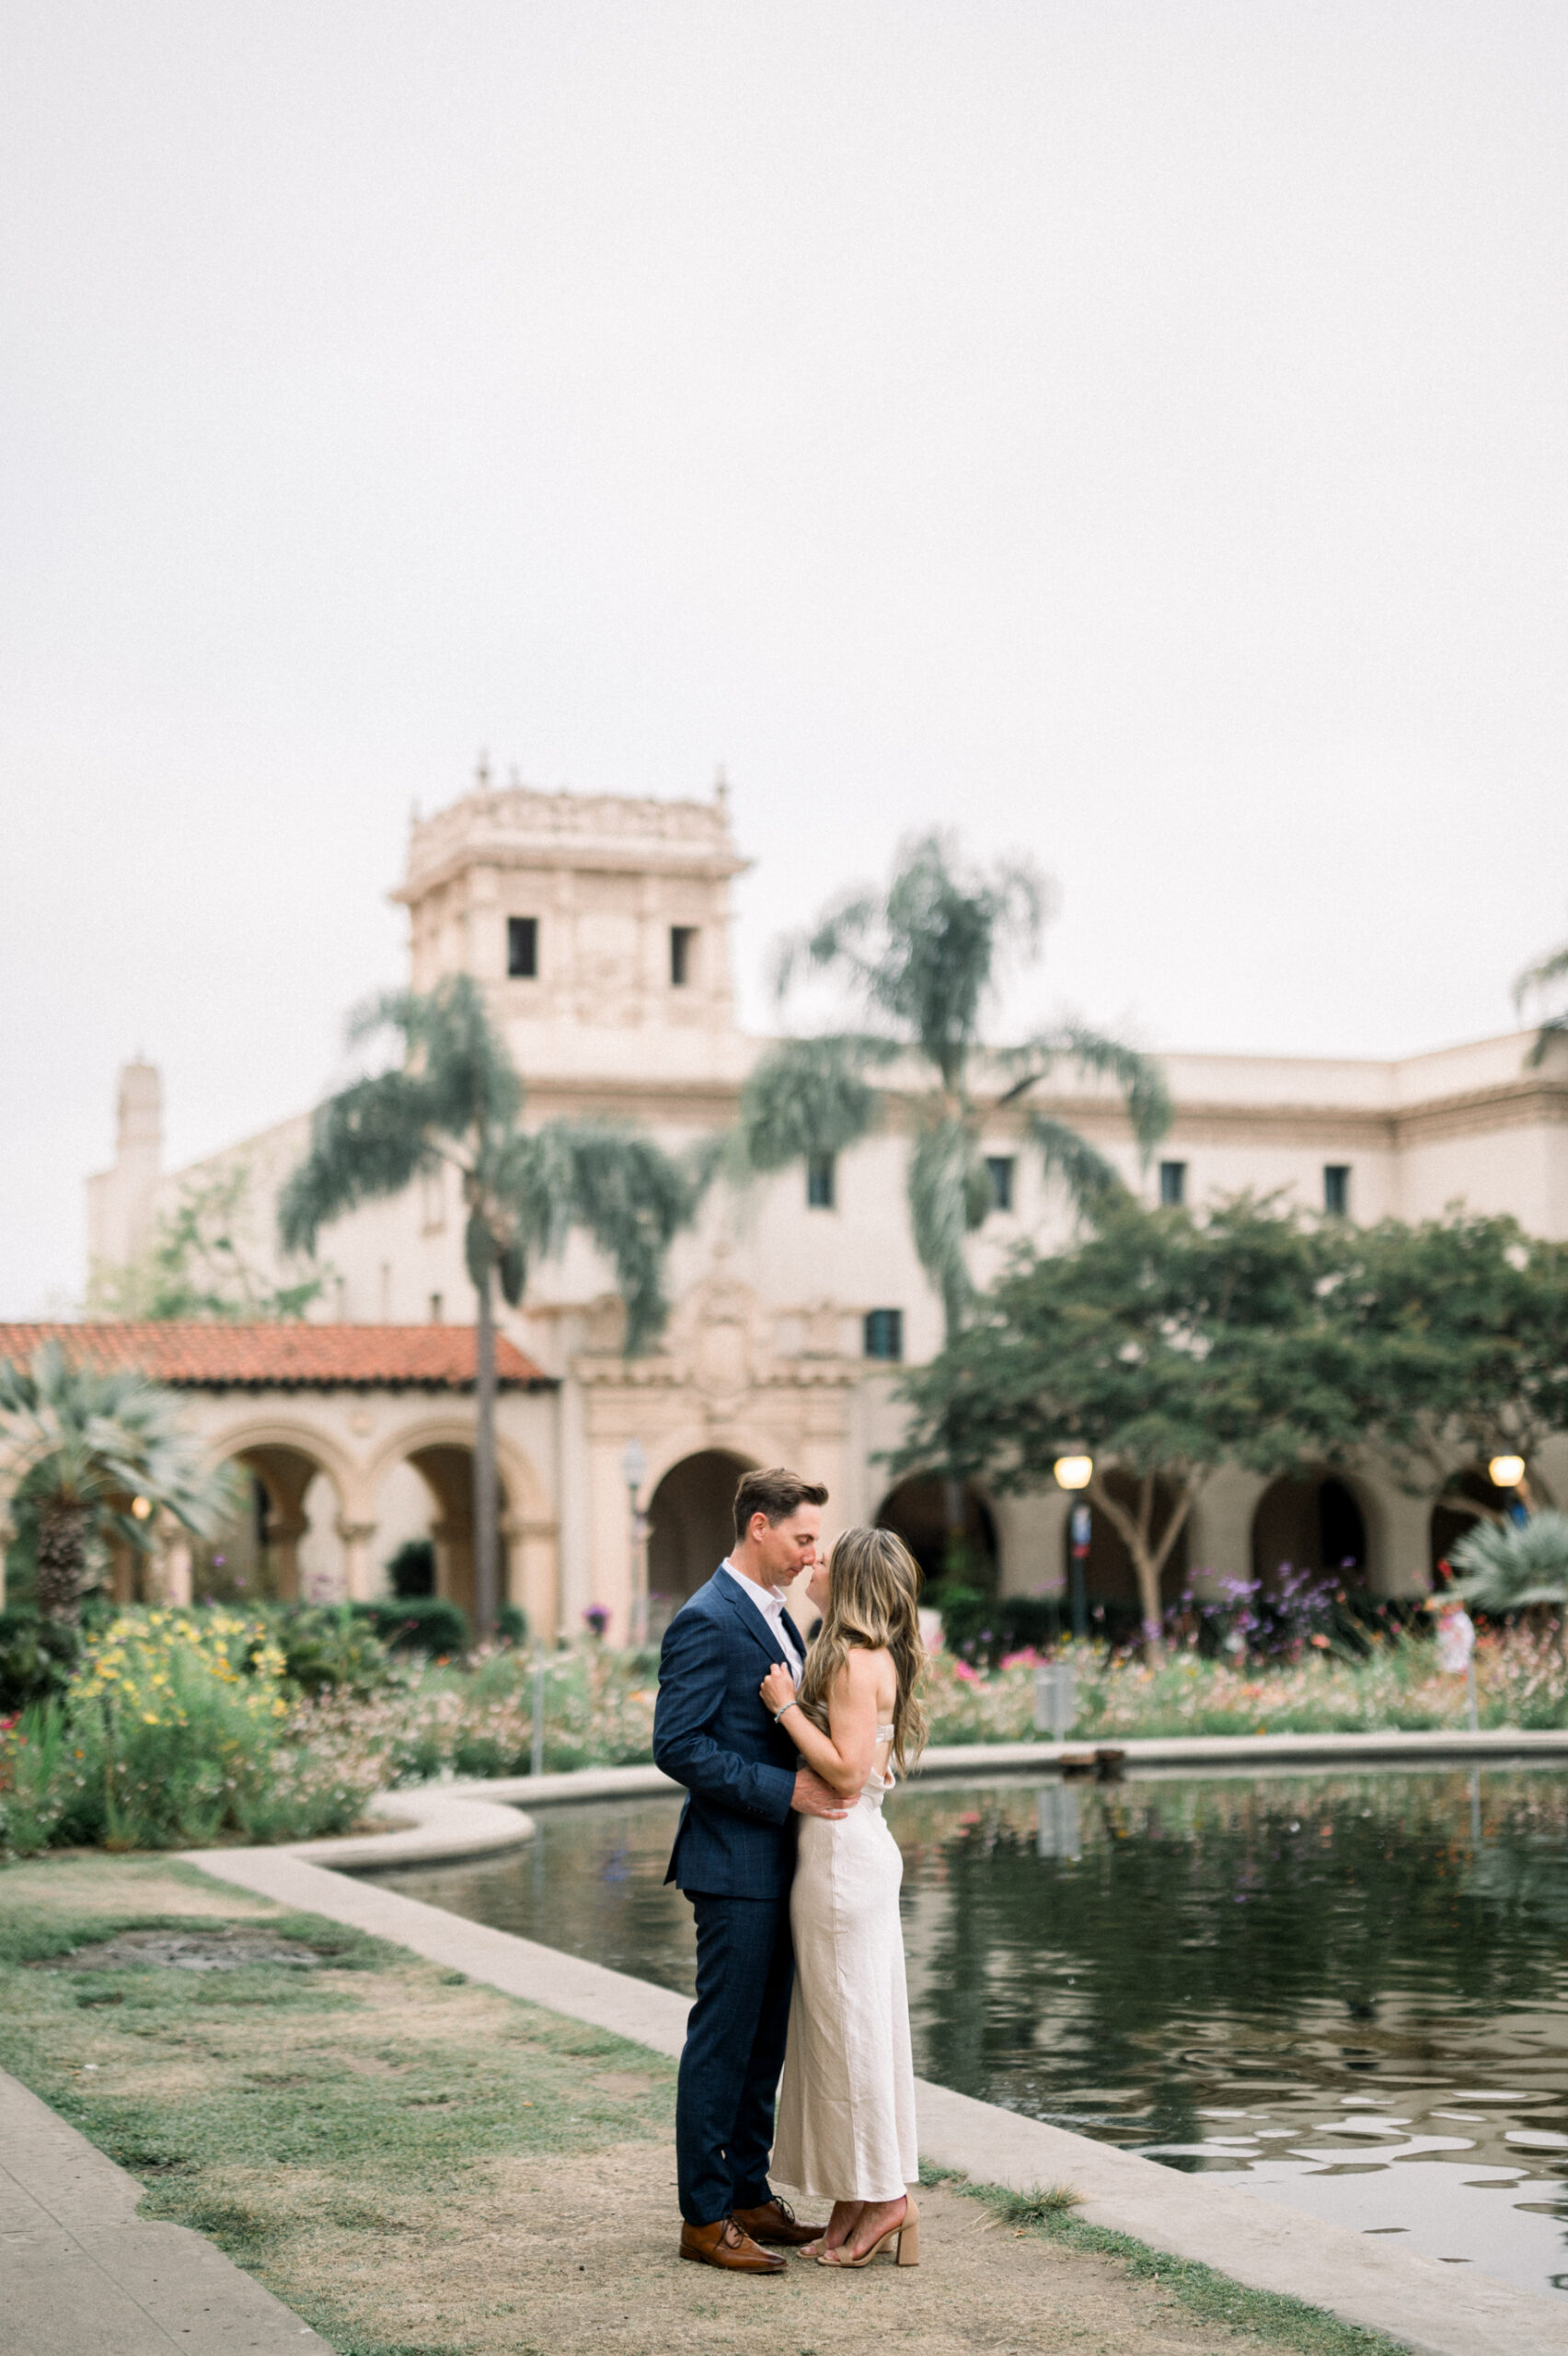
point(776, 2221)
point(726, 2245)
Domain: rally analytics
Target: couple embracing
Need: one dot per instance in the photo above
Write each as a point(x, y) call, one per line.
point(793, 1876)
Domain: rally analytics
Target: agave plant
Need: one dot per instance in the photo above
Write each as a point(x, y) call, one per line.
point(1516, 1566)
point(920, 959)
point(87, 1444)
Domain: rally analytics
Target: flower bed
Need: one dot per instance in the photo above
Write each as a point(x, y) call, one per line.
point(181, 1728)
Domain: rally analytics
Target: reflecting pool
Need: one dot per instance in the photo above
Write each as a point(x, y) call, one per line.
point(1348, 1993)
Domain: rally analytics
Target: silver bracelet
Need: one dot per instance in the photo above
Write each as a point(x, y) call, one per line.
point(790, 1705)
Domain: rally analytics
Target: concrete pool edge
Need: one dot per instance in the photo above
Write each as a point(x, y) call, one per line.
point(482, 1816)
point(1431, 2308)
point(948, 1761)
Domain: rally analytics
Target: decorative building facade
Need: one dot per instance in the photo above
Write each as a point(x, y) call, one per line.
point(599, 926)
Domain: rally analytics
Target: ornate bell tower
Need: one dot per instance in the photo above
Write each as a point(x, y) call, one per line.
point(599, 923)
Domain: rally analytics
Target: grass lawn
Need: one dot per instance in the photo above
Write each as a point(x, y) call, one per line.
point(421, 2166)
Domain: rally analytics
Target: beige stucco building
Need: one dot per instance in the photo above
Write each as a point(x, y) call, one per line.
point(600, 927)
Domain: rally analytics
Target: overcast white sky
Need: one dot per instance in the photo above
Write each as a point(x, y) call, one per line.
point(1134, 432)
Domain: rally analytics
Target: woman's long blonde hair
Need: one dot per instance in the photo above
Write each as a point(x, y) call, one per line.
point(873, 1594)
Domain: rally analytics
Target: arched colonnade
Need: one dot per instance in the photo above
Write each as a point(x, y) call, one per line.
point(319, 1520)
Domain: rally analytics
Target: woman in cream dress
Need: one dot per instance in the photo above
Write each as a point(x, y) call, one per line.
point(846, 2127)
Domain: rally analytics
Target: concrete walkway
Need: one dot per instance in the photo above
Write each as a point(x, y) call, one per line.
point(1433, 2309)
point(82, 2275)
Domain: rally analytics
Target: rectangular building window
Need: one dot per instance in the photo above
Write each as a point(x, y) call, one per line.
point(885, 1334)
point(523, 948)
point(999, 1169)
point(1336, 1189)
point(1172, 1185)
point(819, 1182)
point(683, 955)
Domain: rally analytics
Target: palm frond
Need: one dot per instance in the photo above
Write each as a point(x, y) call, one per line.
point(449, 1037)
point(1139, 1077)
point(1538, 978)
point(1089, 1179)
point(1506, 1566)
point(370, 1139)
point(1542, 975)
point(808, 1096)
point(625, 1191)
point(949, 1192)
point(923, 955)
point(84, 1440)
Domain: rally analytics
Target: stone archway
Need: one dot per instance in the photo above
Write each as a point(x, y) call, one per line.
point(947, 1526)
point(284, 1542)
point(1310, 1521)
point(1449, 1523)
point(446, 1469)
point(691, 1527)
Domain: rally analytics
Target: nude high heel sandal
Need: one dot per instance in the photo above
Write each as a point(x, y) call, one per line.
point(905, 2235)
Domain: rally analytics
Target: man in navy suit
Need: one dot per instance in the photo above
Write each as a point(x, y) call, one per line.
point(735, 1858)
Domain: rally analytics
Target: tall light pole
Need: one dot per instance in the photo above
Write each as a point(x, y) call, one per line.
point(1073, 1474)
point(1508, 1472)
point(634, 1464)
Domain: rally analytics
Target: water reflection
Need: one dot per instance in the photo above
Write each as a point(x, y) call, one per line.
point(1348, 1993)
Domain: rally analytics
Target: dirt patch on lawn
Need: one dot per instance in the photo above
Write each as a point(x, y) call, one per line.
point(226, 1950)
point(567, 2257)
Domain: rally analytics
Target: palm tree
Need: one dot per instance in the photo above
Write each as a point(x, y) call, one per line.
point(1537, 980)
point(455, 1097)
point(95, 1451)
point(921, 960)
point(1516, 1566)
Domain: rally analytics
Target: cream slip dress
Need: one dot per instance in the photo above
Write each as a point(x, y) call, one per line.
point(846, 2127)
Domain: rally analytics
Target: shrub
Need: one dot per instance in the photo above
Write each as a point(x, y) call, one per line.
point(326, 1647)
point(411, 1571)
point(175, 1729)
point(424, 1623)
point(37, 1656)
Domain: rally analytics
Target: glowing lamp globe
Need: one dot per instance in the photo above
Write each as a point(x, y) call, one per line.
point(1074, 1472)
point(141, 1508)
point(1506, 1471)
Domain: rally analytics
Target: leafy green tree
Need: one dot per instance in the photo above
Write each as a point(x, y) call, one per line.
point(453, 1097)
point(1161, 1346)
point(1458, 1334)
point(921, 960)
point(85, 1445)
point(199, 1266)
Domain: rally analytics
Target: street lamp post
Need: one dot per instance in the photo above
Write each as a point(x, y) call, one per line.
point(1073, 1474)
point(634, 1465)
point(1508, 1472)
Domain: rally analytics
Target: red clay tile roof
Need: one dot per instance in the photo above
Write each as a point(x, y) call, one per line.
point(281, 1357)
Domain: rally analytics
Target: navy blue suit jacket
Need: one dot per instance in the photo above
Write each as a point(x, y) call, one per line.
point(713, 1733)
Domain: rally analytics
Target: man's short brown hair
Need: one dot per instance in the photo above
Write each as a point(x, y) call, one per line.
point(777, 1493)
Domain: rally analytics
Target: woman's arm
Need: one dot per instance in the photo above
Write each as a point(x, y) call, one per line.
point(843, 1756)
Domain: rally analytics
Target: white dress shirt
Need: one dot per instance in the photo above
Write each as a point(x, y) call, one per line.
point(770, 1602)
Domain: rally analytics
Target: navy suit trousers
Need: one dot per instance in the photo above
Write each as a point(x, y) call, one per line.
point(734, 2053)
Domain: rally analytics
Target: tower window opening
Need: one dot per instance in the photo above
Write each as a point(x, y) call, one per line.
point(999, 1169)
point(683, 955)
point(1336, 1189)
point(523, 948)
point(1172, 1185)
point(820, 1182)
point(885, 1334)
